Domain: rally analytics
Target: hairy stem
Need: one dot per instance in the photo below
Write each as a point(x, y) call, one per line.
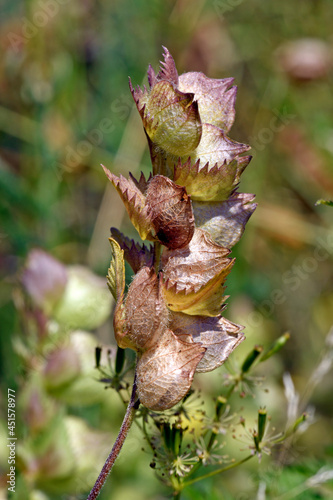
point(125, 426)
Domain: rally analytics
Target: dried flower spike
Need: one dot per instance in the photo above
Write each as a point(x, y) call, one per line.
point(171, 314)
point(191, 210)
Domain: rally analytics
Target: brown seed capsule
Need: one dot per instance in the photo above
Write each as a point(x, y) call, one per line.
point(146, 312)
point(165, 372)
point(170, 211)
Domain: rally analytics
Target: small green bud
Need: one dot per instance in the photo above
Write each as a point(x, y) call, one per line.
point(251, 357)
point(299, 421)
point(120, 360)
point(48, 459)
point(262, 417)
point(256, 440)
point(220, 405)
point(276, 347)
point(81, 387)
point(98, 354)
point(172, 436)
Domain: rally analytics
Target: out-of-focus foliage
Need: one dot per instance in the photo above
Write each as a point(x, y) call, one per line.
point(65, 108)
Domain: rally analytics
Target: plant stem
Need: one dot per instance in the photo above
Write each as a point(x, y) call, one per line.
point(125, 426)
point(294, 492)
point(157, 256)
point(218, 471)
point(213, 434)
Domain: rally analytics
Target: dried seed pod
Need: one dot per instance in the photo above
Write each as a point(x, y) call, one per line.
point(170, 117)
point(165, 372)
point(146, 314)
point(170, 211)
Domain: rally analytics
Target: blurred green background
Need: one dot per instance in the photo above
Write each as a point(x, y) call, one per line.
point(65, 108)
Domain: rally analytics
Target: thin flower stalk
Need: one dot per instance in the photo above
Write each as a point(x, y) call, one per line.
point(125, 427)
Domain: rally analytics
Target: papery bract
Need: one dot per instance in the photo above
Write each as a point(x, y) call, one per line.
point(116, 272)
point(166, 363)
point(131, 192)
point(218, 335)
point(210, 183)
point(194, 276)
point(216, 147)
point(136, 255)
point(225, 221)
point(216, 100)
